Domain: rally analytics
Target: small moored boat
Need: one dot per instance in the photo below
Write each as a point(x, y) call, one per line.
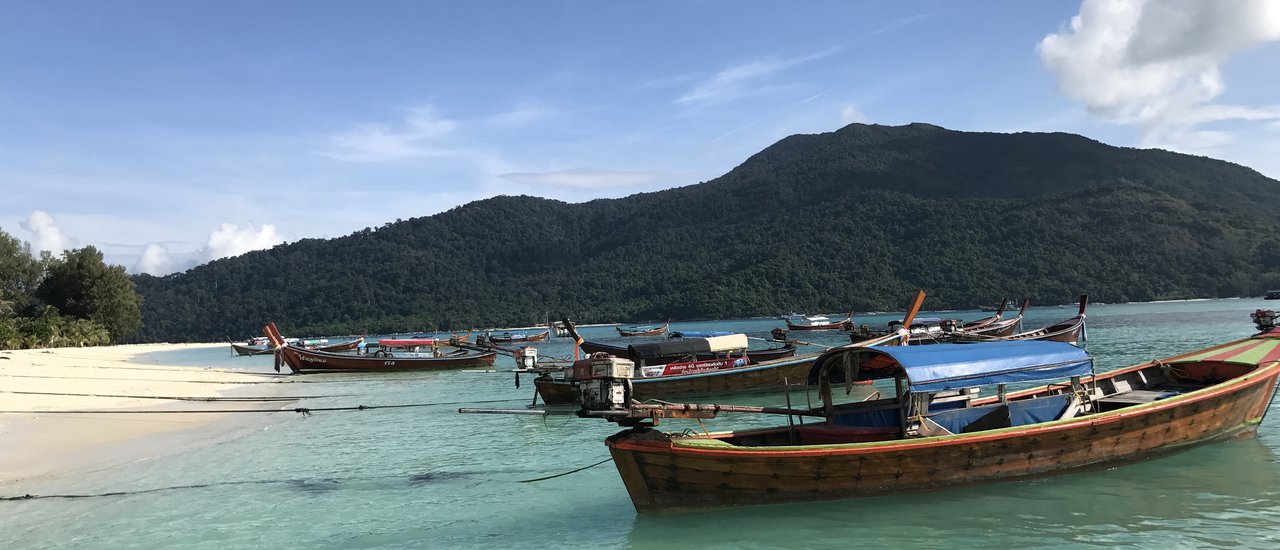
point(423, 355)
point(649, 330)
point(931, 430)
point(509, 337)
point(819, 322)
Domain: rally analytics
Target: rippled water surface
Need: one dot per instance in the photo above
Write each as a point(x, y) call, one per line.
point(427, 477)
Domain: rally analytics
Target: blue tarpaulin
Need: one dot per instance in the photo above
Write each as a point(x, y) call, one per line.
point(941, 367)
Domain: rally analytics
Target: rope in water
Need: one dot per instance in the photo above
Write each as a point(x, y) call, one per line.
point(175, 398)
point(96, 378)
point(300, 410)
point(567, 473)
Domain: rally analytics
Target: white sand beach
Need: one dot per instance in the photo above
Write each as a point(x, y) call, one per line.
point(37, 442)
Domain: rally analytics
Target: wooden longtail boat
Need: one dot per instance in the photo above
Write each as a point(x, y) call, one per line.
point(305, 361)
point(350, 345)
point(509, 337)
point(706, 377)
point(716, 379)
point(252, 348)
point(998, 327)
point(677, 353)
point(933, 435)
point(1071, 331)
point(999, 310)
point(819, 322)
point(643, 330)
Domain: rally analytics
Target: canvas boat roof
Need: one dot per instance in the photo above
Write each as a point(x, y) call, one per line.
point(699, 334)
point(685, 346)
point(398, 342)
point(951, 366)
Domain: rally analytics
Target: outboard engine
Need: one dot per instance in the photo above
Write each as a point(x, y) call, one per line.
point(949, 325)
point(1265, 319)
point(779, 334)
point(527, 358)
point(604, 383)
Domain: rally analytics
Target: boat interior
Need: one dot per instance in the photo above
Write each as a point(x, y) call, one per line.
point(910, 415)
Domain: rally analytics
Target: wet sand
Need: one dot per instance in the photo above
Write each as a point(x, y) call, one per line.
point(40, 440)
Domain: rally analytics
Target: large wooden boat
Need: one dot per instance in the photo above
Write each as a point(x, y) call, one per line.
point(707, 377)
point(509, 337)
point(819, 322)
point(304, 361)
point(1071, 331)
point(690, 376)
point(643, 330)
point(931, 433)
point(677, 352)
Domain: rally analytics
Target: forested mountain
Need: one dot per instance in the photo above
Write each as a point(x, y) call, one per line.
point(853, 219)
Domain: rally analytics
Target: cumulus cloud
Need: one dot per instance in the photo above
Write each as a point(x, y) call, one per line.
point(418, 135)
point(588, 179)
point(1157, 64)
point(232, 240)
point(227, 240)
point(850, 114)
point(155, 260)
point(739, 80)
point(47, 234)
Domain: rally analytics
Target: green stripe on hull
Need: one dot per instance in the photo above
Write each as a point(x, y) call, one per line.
point(1217, 351)
point(1255, 354)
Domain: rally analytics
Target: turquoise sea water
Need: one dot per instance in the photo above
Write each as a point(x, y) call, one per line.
point(427, 477)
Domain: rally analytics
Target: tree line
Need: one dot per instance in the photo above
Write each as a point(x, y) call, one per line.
point(74, 299)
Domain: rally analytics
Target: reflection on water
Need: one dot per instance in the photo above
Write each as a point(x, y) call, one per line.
point(430, 478)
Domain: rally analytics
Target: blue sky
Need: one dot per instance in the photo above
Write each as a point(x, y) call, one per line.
point(171, 133)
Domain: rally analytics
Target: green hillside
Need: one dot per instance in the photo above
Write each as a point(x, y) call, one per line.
point(853, 219)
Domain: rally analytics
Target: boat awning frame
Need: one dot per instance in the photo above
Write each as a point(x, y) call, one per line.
point(940, 367)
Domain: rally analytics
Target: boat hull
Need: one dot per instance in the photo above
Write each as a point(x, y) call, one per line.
point(302, 361)
point(664, 475)
point(751, 378)
point(529, 338)
point(244, 349)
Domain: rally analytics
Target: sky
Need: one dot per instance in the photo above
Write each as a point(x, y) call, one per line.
point(168, 134)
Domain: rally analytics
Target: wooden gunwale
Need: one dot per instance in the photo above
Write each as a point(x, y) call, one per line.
point(1258, 376)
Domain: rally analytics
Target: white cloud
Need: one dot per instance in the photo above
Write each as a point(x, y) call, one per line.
point(155, 260)
point(47, 234)
point(1156, 64)
point(225, 241)
point(588, 179)
point(743, 79)
point(232, 240)
point(850, 114)
point(419, 135)
point(522, 115)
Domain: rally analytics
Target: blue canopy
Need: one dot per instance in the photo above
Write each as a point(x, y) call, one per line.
point(941, 367)
point(699, 334)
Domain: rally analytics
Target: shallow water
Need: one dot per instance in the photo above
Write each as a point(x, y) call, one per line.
point(427, 477)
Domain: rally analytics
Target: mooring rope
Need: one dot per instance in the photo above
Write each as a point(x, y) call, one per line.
point(175, 398)
point(246, 382)
point(410, 477)
point(300, 410)
point(566, 473)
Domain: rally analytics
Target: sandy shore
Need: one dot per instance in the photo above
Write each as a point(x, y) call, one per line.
point(37, 442)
